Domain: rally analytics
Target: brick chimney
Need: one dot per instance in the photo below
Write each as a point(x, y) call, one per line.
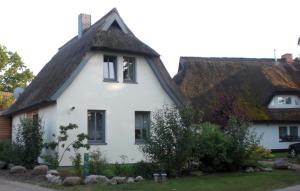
point(84, 22)
point(288, 58)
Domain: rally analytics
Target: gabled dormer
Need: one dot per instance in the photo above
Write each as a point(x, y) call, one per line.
point(284, 101)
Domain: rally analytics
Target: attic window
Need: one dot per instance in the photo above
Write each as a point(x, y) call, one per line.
point(129, 74)
point(284, 100)
point(115, 25)
point(110, 68)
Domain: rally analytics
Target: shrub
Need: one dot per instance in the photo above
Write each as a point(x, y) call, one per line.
point(97, 163)
point(5, 151)
point(62, 139)
point(145, 170)
point(77, 164)
point(29, 141)
point(240, 142)
point(211, 147)
point(171, 139)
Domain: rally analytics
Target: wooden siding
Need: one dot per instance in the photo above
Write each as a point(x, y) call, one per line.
point(5, 128)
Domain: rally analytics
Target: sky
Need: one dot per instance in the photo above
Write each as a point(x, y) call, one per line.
point(212, 28)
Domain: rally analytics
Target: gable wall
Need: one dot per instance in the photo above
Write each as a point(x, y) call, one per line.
point(119, 100)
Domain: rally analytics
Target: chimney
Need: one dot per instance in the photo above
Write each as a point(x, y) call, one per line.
point(288, 58)
point(84, 22)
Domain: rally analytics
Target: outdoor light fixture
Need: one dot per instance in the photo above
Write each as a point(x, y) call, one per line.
point(72, 108)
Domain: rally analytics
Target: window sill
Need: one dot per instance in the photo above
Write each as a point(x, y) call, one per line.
point(96, 143)
point(129, 82)
point(140, 142)
point(110, 80)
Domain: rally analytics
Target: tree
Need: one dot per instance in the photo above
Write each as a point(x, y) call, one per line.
point(13, 72)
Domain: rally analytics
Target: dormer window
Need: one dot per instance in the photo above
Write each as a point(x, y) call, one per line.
point(285, 101)
point(282, 100)
point(110, 68)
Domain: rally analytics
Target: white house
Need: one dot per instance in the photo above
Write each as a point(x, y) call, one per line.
point(266, 90)
point(107, 82)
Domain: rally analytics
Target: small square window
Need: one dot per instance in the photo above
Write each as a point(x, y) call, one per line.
point(284, 100)
point(129, 69)
point(110, 68)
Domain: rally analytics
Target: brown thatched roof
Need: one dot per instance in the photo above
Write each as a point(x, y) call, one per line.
point(58, 70)
point(253, 81)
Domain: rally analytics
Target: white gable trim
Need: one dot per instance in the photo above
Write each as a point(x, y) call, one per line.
point(109, 21)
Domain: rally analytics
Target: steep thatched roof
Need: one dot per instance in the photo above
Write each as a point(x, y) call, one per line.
point(253, 81)
point(58, 70)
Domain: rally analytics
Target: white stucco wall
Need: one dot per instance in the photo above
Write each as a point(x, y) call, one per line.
point(119, 100)
point(49, 122)
point(270, 135)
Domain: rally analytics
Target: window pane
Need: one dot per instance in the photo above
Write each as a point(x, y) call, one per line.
point(91, 125)
point(129, 68)
point(294, 132)
point(109, 68)
point(288, 100)
point(281, 100)
point(282, 132)
point(105, 70)
point(142, 125)
point(99, 128)
point(138, 134)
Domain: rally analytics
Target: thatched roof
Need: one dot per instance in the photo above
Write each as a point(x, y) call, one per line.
point(252, 81)
point(58, 70)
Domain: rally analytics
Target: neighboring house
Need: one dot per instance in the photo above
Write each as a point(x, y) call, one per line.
point(268, 92)
point(107, 82)
point(5, 121)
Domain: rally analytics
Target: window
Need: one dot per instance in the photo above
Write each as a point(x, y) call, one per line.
point(282, 132)
point(294, 132)
point(284, 100)
point(110, 68)
point(288, 134)
point(96, 126)
point(142, 125)
point(129, 69)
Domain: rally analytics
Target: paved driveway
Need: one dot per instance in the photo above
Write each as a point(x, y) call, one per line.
point(6, 185)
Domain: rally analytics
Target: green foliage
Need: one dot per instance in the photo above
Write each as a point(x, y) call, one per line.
point(171, 140)
point(13, 71)
point(29, 141)
point(240, 142)
point(52, 160)
point(77, 164)
point(211, 147)
point(97, 163)
point(62, 142)
point(123, 169)
point(146, 170)
point(6, 100)
point(5, 151)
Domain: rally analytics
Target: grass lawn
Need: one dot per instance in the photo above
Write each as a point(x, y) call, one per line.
point(214, 182)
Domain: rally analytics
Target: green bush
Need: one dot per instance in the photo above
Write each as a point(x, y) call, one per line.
point(5, 151)
point(211, 148)
point(240, 143)
point(171, 139)
point(145, 170)
point(123, 169)
point(77, 164)
point(97, 163)
point(29, 142)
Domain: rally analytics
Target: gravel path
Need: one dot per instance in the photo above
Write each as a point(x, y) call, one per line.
point(6, 185)
point(291, 188)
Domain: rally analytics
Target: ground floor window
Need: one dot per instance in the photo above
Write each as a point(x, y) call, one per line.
point(96, 126)
point(288, 133)
point(142, 125)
